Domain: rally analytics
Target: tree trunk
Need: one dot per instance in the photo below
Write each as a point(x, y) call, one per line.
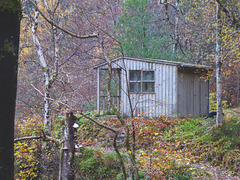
point(176, 26)
point(9, 43)
point(218, 68)
point(68, 148)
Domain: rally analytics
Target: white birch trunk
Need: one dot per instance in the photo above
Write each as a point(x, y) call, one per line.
point(47, 120)
point(218, 69)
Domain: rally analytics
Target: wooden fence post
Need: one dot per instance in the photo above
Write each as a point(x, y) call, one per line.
point(68, 148)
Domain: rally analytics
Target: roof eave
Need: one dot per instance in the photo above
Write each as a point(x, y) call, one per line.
point(178, 64)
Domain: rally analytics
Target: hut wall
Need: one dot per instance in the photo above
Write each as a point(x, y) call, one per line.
point(192, 94)
point(162, 101)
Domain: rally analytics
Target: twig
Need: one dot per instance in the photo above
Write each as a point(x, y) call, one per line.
point(52, 99)
point(99, 124)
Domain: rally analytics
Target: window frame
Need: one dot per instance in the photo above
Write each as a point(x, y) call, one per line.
point(141, 81)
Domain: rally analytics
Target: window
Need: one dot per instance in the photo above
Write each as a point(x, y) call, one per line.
point(141, 81)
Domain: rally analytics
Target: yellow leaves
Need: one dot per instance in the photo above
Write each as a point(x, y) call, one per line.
point(156, 134)
point(130, 152)
point(24, 157)
point(143, 153)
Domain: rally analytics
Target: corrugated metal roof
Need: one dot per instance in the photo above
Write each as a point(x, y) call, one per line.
point(172, 63)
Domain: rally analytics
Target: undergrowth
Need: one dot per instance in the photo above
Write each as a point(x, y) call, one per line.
point(96, 164)
point(207, 142)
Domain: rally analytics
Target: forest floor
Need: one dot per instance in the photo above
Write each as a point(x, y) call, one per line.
point(216, 172)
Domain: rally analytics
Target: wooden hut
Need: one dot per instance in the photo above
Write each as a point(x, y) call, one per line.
point(156, 87)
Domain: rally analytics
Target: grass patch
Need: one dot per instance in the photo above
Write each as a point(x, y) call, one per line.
point(96, 164)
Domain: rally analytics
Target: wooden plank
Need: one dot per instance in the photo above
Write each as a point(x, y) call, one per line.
point(187, 94)
point(175, 84)
point(195, 95)
point(123, 89)
point(184, 93)
point(157, 89)
point(181, 105)
point(98, 91)
point(163, 89)
point(170, 90)
point(166, 88)
point(126, 103)
point(191, 100)
point(202, 103)
point(179, 88)
point(154, 96)
point(199, 95)
point(204, 98)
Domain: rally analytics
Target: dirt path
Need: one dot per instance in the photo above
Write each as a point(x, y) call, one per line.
point(216, 172)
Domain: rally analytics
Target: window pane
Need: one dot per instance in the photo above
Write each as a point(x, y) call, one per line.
point(148, 75)
point(135, 87)
point(148, 86)
point(135, 75)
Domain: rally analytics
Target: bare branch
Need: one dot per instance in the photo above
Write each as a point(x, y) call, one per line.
point(61, 28)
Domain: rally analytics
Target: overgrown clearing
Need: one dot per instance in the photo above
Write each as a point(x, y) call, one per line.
point(166, 148)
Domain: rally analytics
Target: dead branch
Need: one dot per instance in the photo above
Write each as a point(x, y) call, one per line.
point(27, 138)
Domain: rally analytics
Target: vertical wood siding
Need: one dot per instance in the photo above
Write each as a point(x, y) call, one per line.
point(192, 94)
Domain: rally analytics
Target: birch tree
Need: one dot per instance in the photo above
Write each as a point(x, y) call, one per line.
point(48, 76)
point(218, 67)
